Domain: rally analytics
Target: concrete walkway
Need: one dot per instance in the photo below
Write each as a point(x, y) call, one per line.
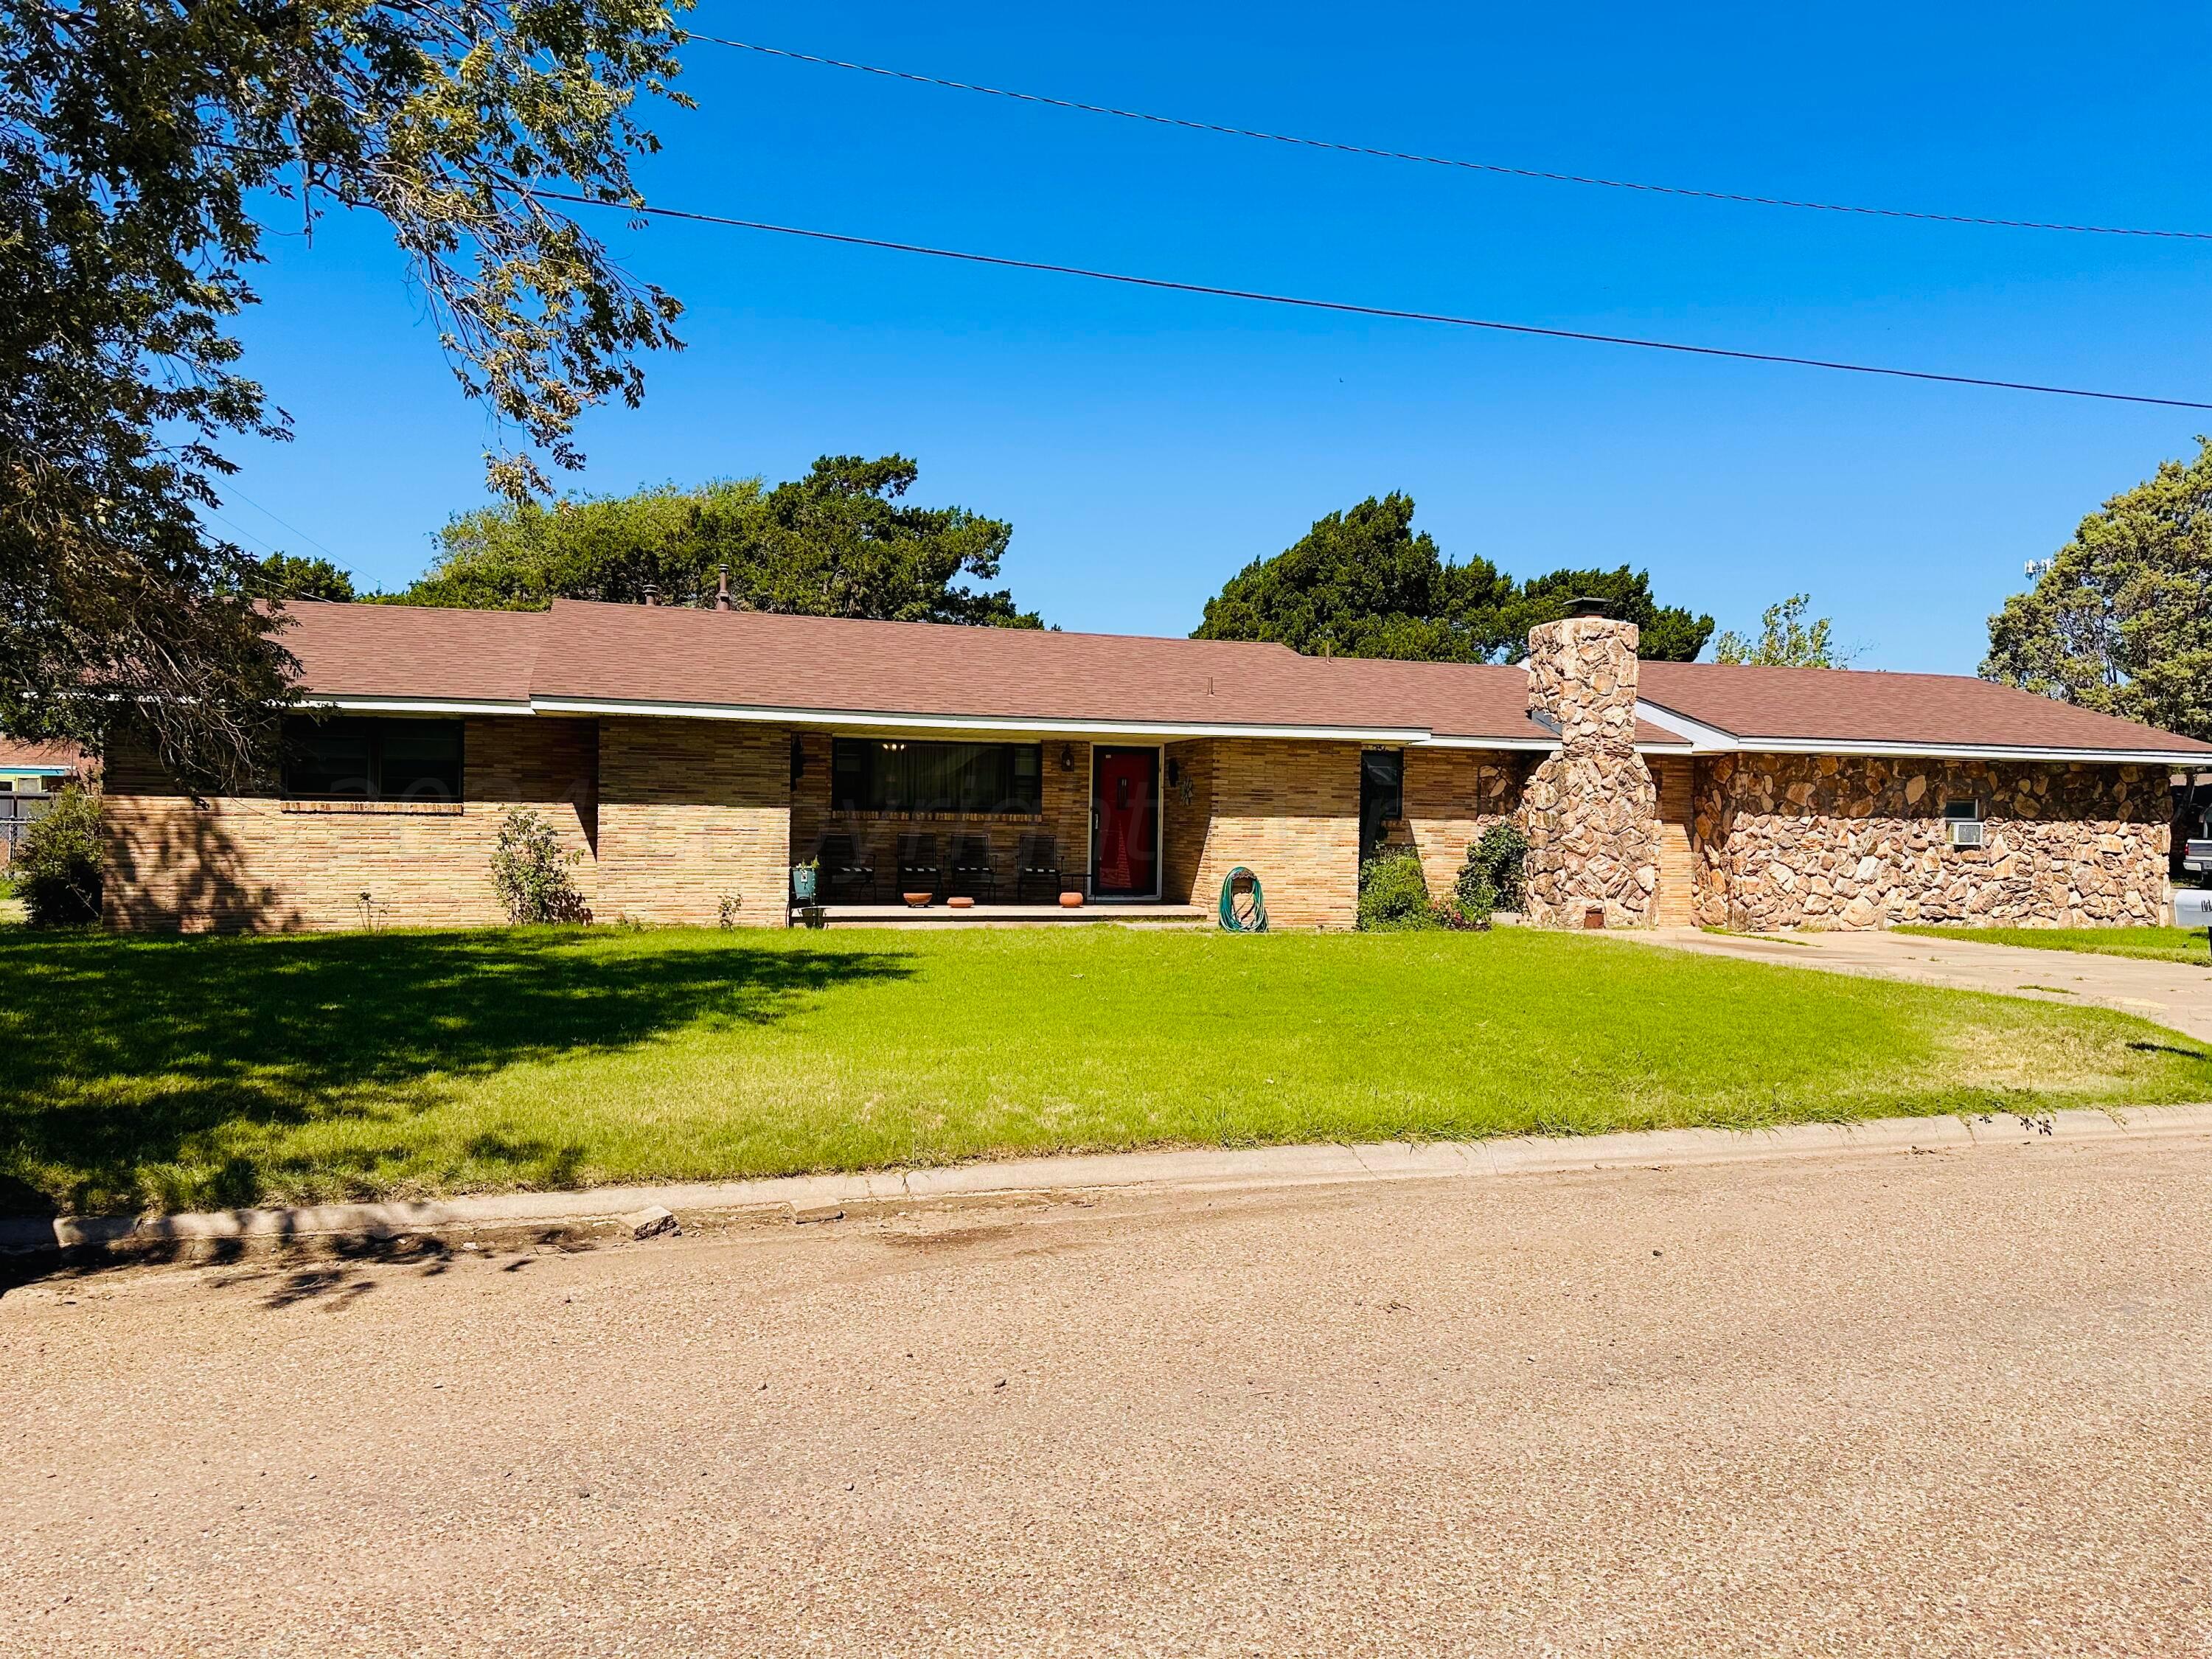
point(2170, 993)
point(621, 1211)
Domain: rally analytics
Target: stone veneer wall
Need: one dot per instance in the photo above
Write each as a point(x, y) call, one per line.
point(1591, 809)
point(256, 862)
point(1806, 841)
point(1287, 810)
point(1066, 816)
point(690, 810)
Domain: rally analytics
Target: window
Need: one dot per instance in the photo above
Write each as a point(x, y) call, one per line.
point(867, 775)
point(372, 759)
point(1962, 822)
point(1381, 796)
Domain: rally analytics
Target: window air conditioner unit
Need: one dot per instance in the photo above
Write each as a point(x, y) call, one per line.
point(1965, 832)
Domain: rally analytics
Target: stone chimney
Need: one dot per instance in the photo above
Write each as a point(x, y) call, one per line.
point(1590, 811)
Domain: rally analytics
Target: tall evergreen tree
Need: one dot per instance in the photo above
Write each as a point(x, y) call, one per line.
point(1364, 583)
point(840, 542)
point(2121, 620)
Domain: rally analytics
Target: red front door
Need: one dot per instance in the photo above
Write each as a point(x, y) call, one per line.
point(1125, 807)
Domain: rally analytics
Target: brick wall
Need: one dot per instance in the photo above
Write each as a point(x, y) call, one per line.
point(1186, 816)
point(1453, 795)
point(257, 862)
point(1678, 864)
point(1290, 811)
point(1806, 841)
point(1065, 800)
point(690, 810)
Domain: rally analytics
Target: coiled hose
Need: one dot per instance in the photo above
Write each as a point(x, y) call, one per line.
point(1243, 906)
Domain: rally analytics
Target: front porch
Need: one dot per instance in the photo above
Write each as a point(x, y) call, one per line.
point(939, 915)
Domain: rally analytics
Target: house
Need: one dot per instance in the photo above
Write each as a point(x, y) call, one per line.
point(29, 775)
point(690, 757)
point(37, 768)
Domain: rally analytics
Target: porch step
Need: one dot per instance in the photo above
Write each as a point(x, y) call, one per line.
point(1012, 915)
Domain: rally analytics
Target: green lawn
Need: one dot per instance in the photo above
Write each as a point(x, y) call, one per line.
point(2155, 943)
point(187, 1073)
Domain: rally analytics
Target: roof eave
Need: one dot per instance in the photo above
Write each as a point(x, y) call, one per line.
point(1706, 740)
point(908, 721)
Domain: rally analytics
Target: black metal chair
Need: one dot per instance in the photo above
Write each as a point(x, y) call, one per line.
point(1038, 860)
point(844, 867)
point(917, 859)
point(972, 873)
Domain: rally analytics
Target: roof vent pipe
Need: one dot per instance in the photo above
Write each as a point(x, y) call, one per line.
point(722, 590)
point(652, 594)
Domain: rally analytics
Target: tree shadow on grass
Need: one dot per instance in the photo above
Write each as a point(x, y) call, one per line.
point(137, 1058)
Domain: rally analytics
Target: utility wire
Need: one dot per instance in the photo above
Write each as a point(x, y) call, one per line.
point(1356, 310)
point(233, 489)
point(1451, 162)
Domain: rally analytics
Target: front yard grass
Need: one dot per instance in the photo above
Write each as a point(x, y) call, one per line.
point(2152, 943)
point(189, 1074)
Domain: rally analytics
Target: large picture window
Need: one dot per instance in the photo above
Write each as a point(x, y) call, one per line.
point(372, 759)
point(870, 775)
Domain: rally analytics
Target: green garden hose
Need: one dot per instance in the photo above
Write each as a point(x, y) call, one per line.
point(1249, 916)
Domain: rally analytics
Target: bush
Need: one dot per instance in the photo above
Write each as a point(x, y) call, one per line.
point(1393, 898)
point(1472, 902)
point(57, 867)
point(1494, 861)
point(530, 872)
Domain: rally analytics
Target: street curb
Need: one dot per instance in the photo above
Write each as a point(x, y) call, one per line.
point(609, 1210)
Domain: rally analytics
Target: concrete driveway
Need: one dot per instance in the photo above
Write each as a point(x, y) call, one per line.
point(1950, 1403)
point(2172, 993)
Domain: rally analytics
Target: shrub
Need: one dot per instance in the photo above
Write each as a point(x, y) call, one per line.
point(1495, 860)
point(1472, 902)
point(1392, 896)
point(530, 872)
point(57, 866)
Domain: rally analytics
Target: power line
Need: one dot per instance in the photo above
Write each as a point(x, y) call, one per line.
point(1451, 162)
point(233, 489)
point(1392, 312)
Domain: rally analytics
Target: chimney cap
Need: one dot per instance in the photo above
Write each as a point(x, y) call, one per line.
point(1589, 605)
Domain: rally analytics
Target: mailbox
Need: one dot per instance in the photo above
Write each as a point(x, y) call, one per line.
point(2192, 906)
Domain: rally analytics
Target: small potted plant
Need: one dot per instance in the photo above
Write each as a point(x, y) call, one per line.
point(802, 880)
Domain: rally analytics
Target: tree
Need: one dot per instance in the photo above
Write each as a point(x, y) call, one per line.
point(143, 150)
point(1786, 640)
point(1668, 633)
point(840, 541)
point(282, 576)
point(523, 555)
point(1364, 584)
point(2121, 620)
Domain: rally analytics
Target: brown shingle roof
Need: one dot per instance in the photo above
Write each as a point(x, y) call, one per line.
point(637, 656)
point(1463, 700)
point(1845, 706)
point(628, 653)
point(18, 755)
point(414, 652)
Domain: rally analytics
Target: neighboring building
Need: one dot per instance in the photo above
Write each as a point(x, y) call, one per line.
point(37, 768)
point(690, 757)
point(29, 774)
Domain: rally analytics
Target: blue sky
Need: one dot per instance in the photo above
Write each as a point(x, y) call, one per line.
point(1147, 445)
